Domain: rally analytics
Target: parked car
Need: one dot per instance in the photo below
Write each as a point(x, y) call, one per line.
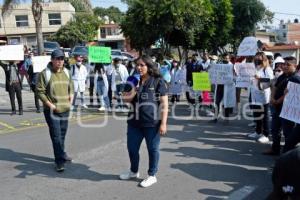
point(128, 56)
point(79, 50)
point(117, 54)
point(48, 47)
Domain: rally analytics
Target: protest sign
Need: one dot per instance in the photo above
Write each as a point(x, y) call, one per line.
point(248, 47)
point(40, 62)
point(245, 74)
point(12, 52)
point(221, 73)
point(201, 81)
point(291, 106)
point(99, 54)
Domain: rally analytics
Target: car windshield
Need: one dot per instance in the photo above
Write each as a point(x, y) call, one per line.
point(51, 45)
point(116, 53)
point(80, 49)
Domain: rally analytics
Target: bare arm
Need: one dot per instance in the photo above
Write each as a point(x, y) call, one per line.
point(164, 114)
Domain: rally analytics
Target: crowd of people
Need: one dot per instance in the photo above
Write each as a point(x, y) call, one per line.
point(107, 85)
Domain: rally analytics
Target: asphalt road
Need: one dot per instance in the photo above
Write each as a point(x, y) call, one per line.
point(199, 160)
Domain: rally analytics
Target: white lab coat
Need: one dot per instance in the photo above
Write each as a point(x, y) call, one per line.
point(79, 76)
point(123, 73)
point(177, 81)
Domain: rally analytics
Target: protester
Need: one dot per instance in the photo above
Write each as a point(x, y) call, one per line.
point(13, 85)
point(177, 81)
point(260, 93)
point(102, 86)
point(55, 89)
point(149, 101)
point(79, 75)
point(33, 76)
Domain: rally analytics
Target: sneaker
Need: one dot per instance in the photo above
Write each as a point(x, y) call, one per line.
point(252, 124)
point(60, 167)
point(67, 158)
point(129, 175)
point(85, 106)
point(101, 109)
point(209, 113)
point(263, 139)
point(253, 135)
point(150, 180)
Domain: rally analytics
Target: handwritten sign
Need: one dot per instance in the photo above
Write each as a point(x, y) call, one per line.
point(201, 81)
point(245, 74)
point(40, 62)
point(221, 73)
point(248, 47)
point(99, 54)
point(291, 106)
point(12, 52)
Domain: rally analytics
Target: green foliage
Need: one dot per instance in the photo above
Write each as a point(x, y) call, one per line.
point(82, 29)
point(112, 12)
point(79, 5)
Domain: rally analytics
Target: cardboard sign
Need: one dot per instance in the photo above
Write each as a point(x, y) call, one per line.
point(99, 54)
point(245, 74)
point(248, 47)
point(201, 81)
point(12, 52)
point(40, 63)
point(291, 106)
point(221, 74)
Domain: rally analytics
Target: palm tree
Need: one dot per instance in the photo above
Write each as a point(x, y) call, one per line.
point(37, 10)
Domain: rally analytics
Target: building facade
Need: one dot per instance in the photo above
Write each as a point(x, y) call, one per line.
point(18, 26)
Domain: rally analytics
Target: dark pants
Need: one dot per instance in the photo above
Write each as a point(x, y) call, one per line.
point(175, 97)
point(58, 125)
point(292, 139)
point(15, 90)
point(119, 90)
point(276, 128)
point(109, 79)
point(36, 97)
point(91, 91)
point(261, 118)
point(135, 137)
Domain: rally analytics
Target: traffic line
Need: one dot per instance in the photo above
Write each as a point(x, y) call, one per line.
point(7, 126)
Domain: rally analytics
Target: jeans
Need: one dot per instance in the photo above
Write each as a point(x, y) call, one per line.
point(58, 125)
point(103, 93)
point(135, 137)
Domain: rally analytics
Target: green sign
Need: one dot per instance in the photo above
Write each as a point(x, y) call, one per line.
point(99, 54)
point(201, 81)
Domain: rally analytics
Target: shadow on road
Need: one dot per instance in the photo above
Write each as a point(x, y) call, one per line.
point(30, 165)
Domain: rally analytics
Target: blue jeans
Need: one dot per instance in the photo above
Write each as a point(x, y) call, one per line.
point(58, 125)
point(103, 93)
point(135, 137)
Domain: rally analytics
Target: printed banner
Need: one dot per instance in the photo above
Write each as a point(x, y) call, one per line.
point(291, 106)
point(201, 81)
point(221, 74)
point(245, 74)
point(99, 54)
point(40, 62)
point(12, 52)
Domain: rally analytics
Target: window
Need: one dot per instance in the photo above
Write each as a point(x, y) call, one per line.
point(21, 20)
point(14, 40)
point(108, 31)
point(284, 26)
point(284, 35)
point(54, 19)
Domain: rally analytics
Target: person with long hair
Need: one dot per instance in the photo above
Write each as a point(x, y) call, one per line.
point(147, 118)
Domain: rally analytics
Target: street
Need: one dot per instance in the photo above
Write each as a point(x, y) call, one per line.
point(199, 160)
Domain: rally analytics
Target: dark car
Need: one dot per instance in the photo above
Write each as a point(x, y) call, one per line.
point(79, 50)
point(48, 47)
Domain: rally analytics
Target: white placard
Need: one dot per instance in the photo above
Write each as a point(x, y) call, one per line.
point(221, 74)
point(245, 74)
point(291, 107)
point(248, 47)
point(12, 52)
point(40, 62)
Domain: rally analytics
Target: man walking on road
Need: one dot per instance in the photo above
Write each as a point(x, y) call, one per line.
point(55, 89)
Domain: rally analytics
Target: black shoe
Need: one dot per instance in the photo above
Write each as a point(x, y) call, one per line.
point(60, 167)
point(21, 112)
point(67, 158)
point(13, 113)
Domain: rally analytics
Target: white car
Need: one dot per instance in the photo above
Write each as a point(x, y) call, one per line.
point(117, 54)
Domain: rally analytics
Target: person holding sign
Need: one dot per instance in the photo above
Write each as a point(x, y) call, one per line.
point(260, 93)
point(13, 85)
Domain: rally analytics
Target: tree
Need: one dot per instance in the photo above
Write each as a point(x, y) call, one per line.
point(82, 29)
point(79, 5)
point(112, 12)
point(37, 11)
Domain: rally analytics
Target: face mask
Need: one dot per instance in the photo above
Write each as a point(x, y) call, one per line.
point(277, 74)
point(154, 59)
point(258, 62)
point(78, 63)
point(117, 65)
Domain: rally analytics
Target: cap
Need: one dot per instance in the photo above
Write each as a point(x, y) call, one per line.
point(279, 59)
point(57, 53)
